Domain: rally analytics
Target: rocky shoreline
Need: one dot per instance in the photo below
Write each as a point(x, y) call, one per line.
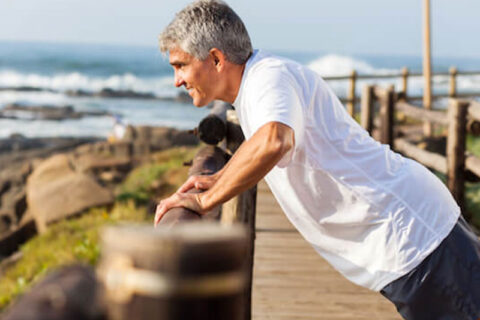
point(44, 180)
point(181, 97)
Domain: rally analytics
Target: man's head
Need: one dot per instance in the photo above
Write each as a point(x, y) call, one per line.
point(208, 44)
point(207, 24)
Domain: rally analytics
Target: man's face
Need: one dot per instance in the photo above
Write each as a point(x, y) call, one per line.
point(196, 75)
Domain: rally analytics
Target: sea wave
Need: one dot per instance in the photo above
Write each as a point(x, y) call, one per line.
point(338, 65)
point(160, 86)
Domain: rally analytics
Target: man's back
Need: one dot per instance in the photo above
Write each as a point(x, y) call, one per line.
point(371, 213)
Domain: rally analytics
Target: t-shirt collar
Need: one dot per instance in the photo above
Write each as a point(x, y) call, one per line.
point(244, 75)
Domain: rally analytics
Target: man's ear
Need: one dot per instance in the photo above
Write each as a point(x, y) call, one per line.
point(218, 58)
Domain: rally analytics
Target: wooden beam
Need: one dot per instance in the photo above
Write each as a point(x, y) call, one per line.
point(430, 159)
point(426, 115)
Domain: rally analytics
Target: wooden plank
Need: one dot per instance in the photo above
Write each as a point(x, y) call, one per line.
point(291, 281)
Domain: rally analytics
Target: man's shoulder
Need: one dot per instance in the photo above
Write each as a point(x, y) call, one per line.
point(269, 69)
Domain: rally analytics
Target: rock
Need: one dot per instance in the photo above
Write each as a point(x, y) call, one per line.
point(184, 97)
point(111, 93)
point(96, 164)
point(45, 112)
point(71, 293)
point(11, 240)
point(5, 222)
point(55, 191)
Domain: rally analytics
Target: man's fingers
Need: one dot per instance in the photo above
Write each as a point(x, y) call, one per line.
point(189, 184)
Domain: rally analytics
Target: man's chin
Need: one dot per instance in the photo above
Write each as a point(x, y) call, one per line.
point(199, 104)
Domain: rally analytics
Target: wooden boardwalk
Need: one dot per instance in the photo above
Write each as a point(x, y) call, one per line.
point(291, 281)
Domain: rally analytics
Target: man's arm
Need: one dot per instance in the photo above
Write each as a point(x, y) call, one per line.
point(251, 162)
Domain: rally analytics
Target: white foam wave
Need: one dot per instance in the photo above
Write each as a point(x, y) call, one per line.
point(160, 86)
point(336, 65)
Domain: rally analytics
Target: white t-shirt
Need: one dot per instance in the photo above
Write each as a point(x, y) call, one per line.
point(371, 213)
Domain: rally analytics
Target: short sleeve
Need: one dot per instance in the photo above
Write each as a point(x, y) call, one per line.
point(276, 98)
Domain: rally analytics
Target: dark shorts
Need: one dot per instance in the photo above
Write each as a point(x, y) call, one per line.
point(446, 285)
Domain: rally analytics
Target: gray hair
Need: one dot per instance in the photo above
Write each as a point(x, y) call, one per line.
point(207, 24)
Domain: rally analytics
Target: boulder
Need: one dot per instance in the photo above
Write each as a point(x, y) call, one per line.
point(56, 191)
point(71, 293)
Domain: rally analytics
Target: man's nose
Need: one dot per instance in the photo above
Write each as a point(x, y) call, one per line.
point(178, 80)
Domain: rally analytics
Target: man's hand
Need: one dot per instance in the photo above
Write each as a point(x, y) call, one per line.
point(190, 201)
point(203, 182)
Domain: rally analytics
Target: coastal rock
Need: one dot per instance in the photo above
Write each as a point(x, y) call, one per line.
point(111, 93)
point(69, 293)
point(45, 112)
point(11, 240)
point(55, 191)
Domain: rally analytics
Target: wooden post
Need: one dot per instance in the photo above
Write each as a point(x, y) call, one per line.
point(367, 111)
point(351, 94)
point(427, 66)
point(213, 128)
point(452, 92)
point(194, 271)
point(456, 140)
point(404, 82)
point(386, 116)
point(241, 208)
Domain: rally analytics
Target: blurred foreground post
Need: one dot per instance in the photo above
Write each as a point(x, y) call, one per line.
point(195, 271)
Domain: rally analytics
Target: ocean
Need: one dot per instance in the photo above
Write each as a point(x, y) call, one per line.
point(53, 69)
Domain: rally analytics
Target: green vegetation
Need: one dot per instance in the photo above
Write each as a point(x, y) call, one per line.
point(76, 240)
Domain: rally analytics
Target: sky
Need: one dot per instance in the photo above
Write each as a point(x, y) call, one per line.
point(373, 27)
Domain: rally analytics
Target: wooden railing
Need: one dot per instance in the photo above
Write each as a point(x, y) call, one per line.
point(462, 116)
point(350, 99)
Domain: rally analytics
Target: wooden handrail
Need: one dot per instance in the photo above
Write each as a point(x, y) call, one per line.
point(422, 114)
point(398, 75)
point(430, 159)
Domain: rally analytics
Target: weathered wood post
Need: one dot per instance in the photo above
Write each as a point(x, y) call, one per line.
point(351, 94)
point(194, 271)
point(405, 74)
point(242, 209)
point(367, 108)
point(213, 128)
point(386, 116)
point(427, 66)
point(456, 140)
point(452, 91)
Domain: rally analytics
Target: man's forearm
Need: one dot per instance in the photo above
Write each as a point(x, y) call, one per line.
point(250, 163)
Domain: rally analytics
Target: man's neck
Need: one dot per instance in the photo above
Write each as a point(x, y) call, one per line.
point(233, 81)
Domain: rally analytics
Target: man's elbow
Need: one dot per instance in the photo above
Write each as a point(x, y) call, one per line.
point(281, 140)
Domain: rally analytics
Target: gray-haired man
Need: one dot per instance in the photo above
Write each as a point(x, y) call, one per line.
point(350, 197)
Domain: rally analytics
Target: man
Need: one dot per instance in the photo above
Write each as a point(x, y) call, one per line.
point(383, 221)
